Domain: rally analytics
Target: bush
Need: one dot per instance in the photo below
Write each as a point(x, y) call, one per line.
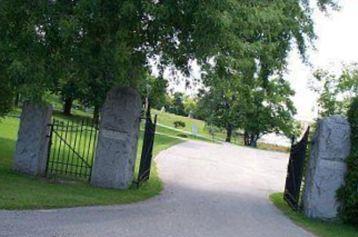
point(179, 124)
point(348, 194)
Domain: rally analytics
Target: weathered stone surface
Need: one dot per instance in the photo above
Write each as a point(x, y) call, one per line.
point(327, 167)
point(118, 137)
point(32, 142)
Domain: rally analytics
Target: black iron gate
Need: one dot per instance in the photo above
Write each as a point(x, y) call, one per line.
point(147, 149)
point(71, 149)
point(295, 170)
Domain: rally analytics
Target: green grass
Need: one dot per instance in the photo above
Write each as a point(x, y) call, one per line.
point(168, 119)
point(24, 192)
point(172, 132)
point(317, 227)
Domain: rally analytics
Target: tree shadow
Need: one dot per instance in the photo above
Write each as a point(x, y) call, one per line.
point(7, 148)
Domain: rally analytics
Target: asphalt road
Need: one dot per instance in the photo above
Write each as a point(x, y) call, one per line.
point(211, 190)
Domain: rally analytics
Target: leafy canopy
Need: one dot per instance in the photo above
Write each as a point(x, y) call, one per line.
point(90, 42)
point(335, 92)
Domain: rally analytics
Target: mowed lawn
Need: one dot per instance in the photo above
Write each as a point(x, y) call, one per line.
point(168, 119)
point(19, 191)
point(315, 226)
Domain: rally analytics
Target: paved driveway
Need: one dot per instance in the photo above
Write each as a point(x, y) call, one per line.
point(210, 190)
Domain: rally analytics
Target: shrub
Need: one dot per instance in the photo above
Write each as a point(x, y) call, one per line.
point(179, 124)
point(348, 194)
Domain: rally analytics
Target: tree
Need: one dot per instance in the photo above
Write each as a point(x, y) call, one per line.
point(219, 106)
point(25, 59)
point(258, 102)
point(189, 106)
point(155, 89)
point(348, 193)
point(247, 104)
point(176, 105)
point(69, 92)
point(267, 109)
point(111, 42)
point(335, 92)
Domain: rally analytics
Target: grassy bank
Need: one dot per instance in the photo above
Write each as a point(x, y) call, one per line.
point(24, 192)
point(317, 227)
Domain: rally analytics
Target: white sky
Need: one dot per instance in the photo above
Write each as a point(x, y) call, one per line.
point(337, 44)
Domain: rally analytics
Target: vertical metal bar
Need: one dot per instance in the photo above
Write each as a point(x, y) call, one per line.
point(73, 165)
point(53, 154)
point(49, 147)
point(60, 133)
point(83, 149)
point(152, 143)
point(64, 149)
point(88, 159)
point(95, 140)
point(80, 143)
point(69, 144)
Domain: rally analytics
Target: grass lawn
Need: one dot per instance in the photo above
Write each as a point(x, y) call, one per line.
point(24, 192)
point(168, 119)
point(317, 227)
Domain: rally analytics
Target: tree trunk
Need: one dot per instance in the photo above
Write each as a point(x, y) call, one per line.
point(250, 139)
point(228, 133)
point(246, 138)
point(67, 107)
point(253, 140)
point(96, 114)
point(17, 100)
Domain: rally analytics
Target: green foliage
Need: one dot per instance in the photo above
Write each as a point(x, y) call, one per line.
point(219, 106)
point(348, 194)
point(155, 89)
point(179, 124)
point(212, 130)
point(52, 45)
point(240, 103)
point(176, 104)
point(6, 96)
point(23, 57)
point(189, 106)
point(335, 92)
point(244, 88)
point(267, 110)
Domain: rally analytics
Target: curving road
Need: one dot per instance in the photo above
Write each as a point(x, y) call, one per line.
point(211, 190)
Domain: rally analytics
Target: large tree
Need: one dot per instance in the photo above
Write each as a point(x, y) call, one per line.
point(267, 109)
point(219, 105)
point(249, 104)
point(260, 101)
point(110, 42)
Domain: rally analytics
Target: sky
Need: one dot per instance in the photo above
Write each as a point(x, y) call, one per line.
point(337, 44)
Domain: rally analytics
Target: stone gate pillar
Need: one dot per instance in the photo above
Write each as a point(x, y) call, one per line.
point(118, 137)
point(326, 168)
point(32, 142)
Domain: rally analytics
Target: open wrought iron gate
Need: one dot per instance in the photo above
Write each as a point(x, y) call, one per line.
point(295, 171)
point(147, 149)
point(71, 149)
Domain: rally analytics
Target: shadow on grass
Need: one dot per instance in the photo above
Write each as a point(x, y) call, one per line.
point(318, 227)
point(74, 117)
point(7, 147)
